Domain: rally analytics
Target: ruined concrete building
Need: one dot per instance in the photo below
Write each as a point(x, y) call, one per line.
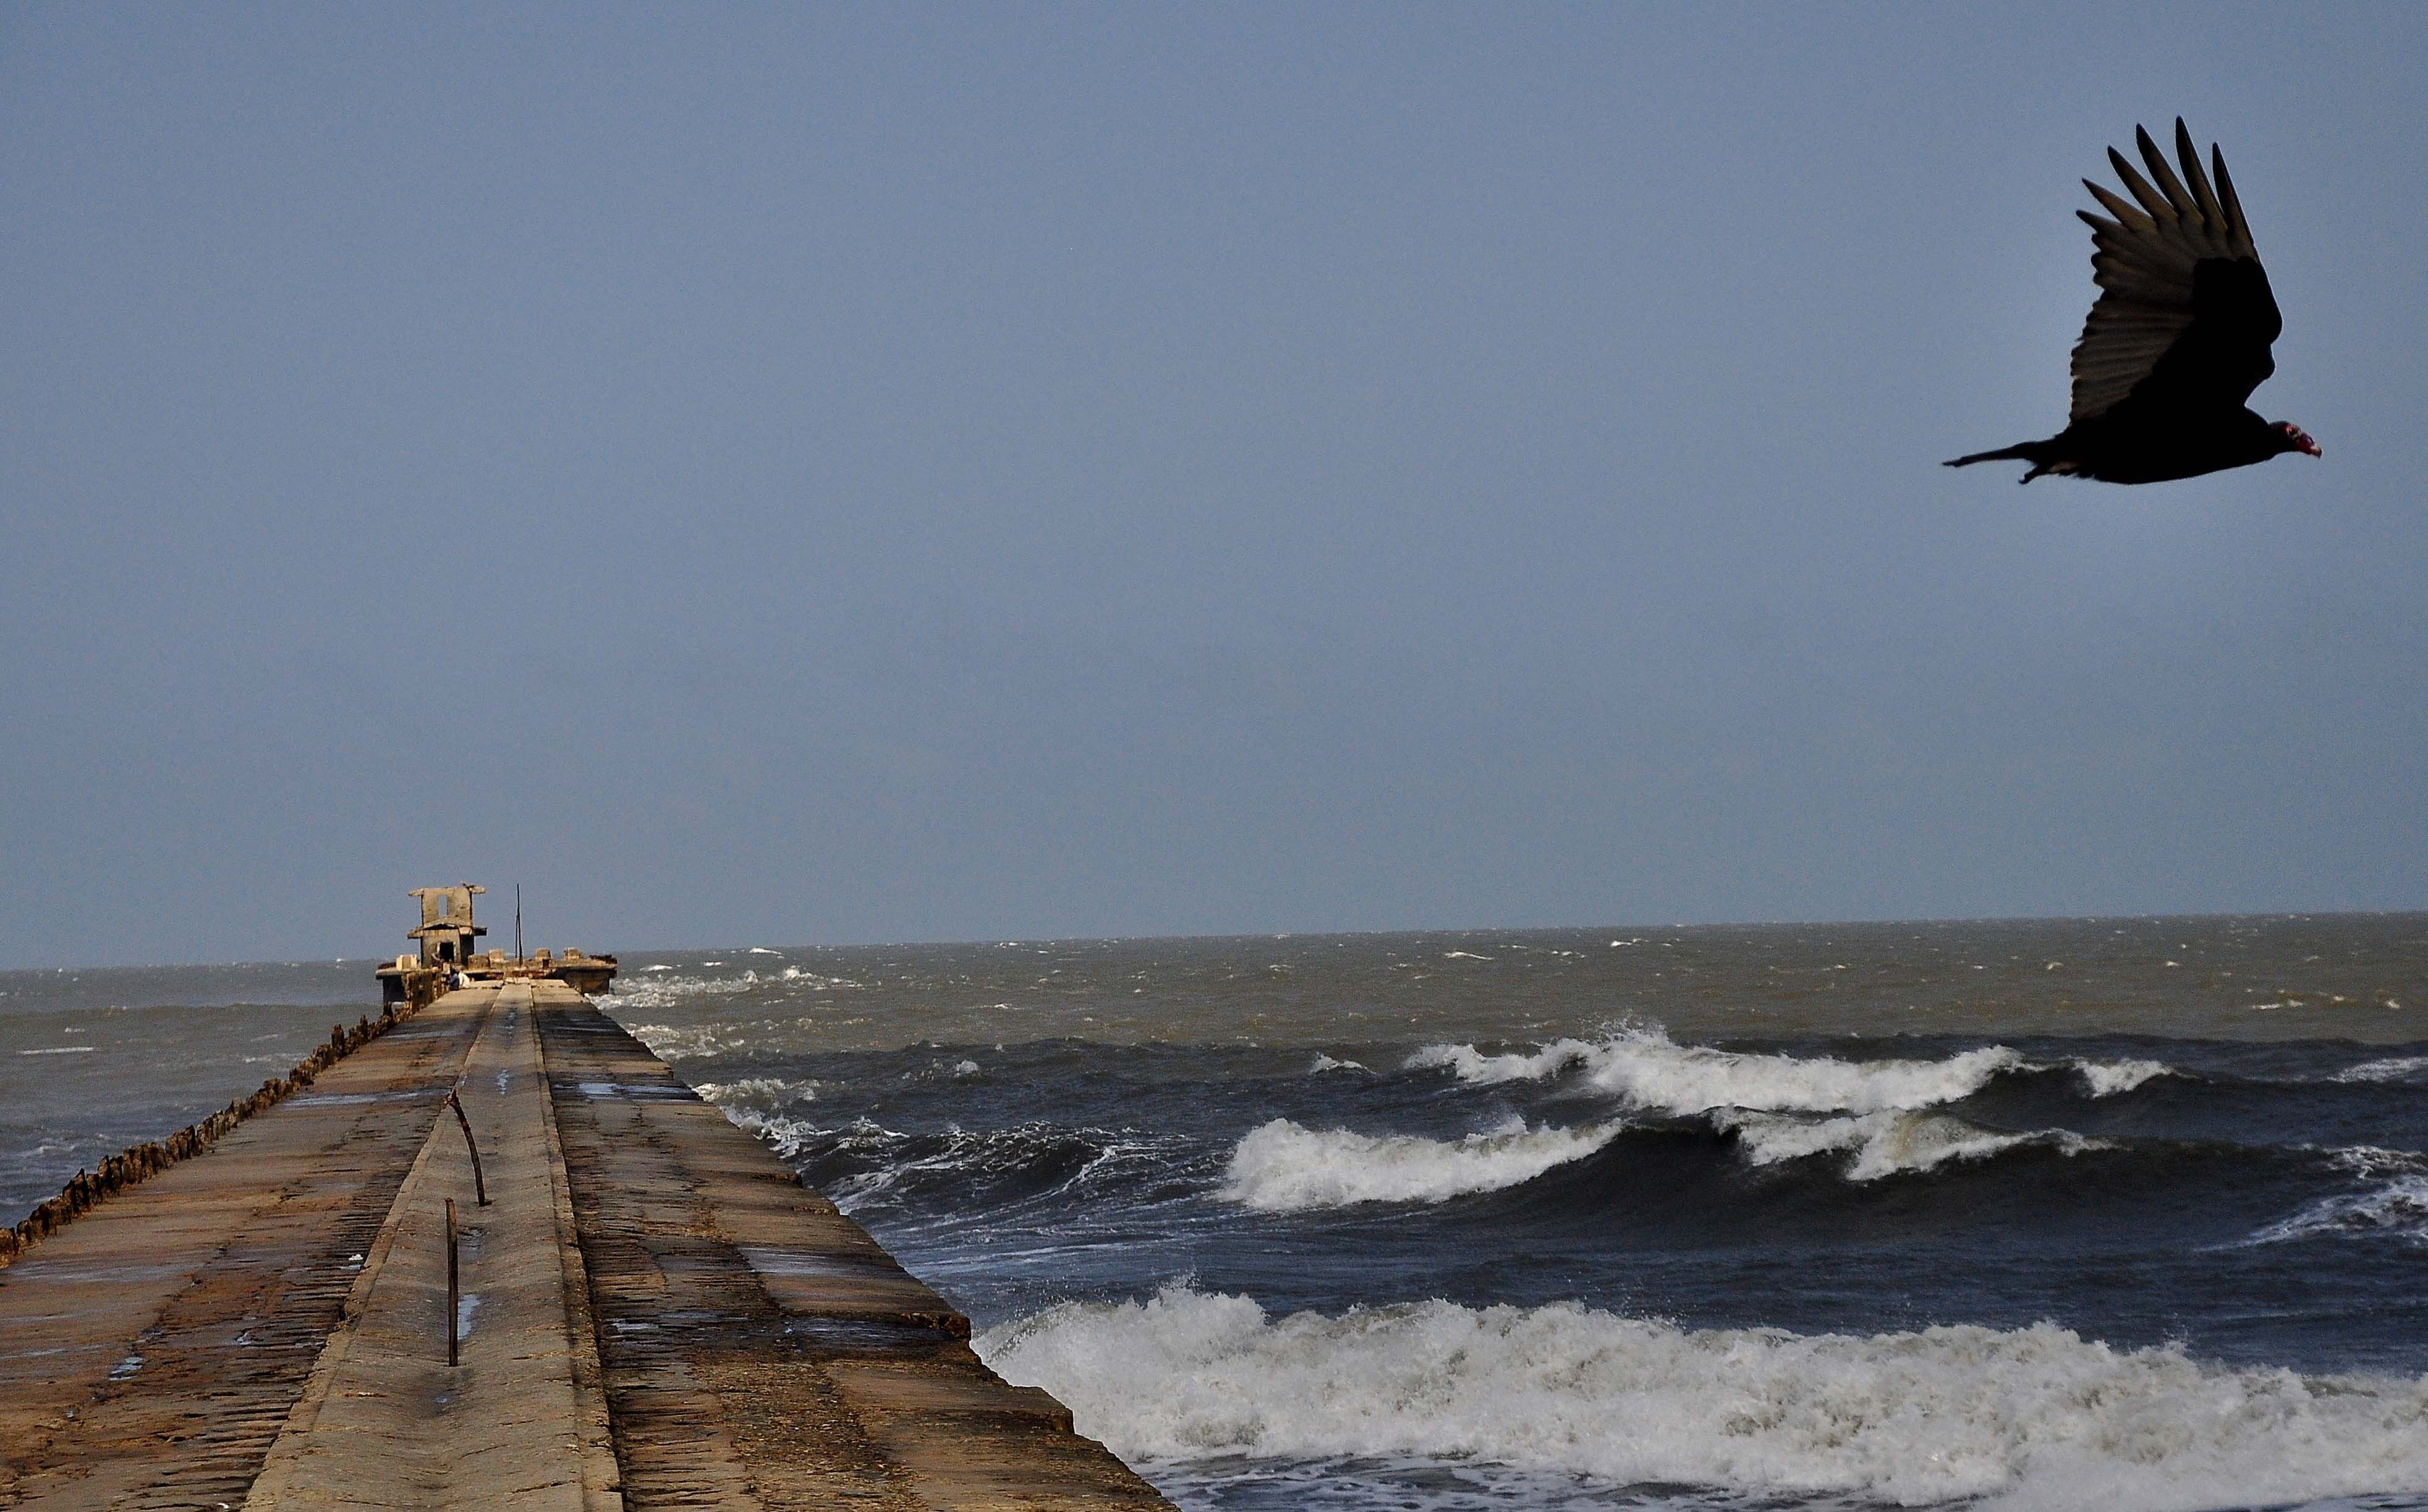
point(448, 942)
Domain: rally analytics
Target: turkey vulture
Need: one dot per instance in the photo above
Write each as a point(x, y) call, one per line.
point(2178, 339)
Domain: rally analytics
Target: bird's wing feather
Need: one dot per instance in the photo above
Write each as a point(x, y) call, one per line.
point(2182, 299)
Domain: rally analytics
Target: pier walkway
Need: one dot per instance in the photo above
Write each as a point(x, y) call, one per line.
point(652, 1311)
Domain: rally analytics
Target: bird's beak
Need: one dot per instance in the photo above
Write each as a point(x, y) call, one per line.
point(2312, 447)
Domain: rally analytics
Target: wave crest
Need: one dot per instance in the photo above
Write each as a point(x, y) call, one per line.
point(864, 1164)
point(1883, 1144)
point(1284, 1167)
point(773, 1091)
point(2110, 1079)
point(2033, 1418)
point(649, 990)
point(1643, 1067)
point(665, 992)
point(2397, 1068)
point(2395, 1205)
point(683, 1042)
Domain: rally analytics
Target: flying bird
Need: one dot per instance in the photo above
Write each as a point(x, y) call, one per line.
point(2177, 340)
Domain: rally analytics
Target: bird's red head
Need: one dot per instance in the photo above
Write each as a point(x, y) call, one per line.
point(2297, 440)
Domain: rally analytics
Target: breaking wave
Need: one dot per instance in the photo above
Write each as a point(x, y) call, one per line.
point(652, 991)
point(785, 1136)
point(1644, 1069)
point(1884, 1144)
point(865, 1164)
point(2031, 1418)
point(2400, 1068)
point(775, 1091)
point(2109, 1079)
point(665, 992)
point(2394, 1203)
point(1283, 1167)
point(682, 1041)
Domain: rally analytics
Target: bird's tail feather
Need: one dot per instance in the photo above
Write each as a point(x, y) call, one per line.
point(2021, 452)
point(2038, 454)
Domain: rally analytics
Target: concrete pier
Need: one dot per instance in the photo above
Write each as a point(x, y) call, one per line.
point(653, 1312)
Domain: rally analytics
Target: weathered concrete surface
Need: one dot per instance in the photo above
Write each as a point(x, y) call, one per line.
point(659, 1314)
point(151, 1351)
point(520, 1418)
point(760, 1350)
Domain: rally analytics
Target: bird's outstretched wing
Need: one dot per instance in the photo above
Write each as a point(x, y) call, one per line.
point(2185, 315)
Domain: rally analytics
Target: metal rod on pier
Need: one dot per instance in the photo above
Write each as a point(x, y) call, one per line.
point(479, 1187)
point(452, 1327)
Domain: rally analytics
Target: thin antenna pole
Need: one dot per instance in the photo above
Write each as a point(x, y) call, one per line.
point(519, 921)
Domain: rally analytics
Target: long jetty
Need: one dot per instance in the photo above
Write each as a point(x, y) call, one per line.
point(649, 1309)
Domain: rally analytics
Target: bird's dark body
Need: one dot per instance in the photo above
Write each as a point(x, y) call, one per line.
point(2146, 445)
point(2178, 339)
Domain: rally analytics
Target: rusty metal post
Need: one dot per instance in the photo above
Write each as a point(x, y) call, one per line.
point(452, 1327)
point(479, 1187)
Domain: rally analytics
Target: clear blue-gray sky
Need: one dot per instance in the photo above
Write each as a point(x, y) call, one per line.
point(792, 474)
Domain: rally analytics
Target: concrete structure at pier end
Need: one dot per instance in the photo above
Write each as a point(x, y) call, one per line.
point(447, 935)
point(448, 945)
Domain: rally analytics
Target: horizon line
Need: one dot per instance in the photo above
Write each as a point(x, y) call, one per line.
point(999, 941)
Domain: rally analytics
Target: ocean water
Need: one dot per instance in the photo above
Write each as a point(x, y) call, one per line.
point(2116, 1213)
point(94, 1061)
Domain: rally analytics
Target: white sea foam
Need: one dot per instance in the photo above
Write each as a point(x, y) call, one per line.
point(2398, 1209)
point(2394, 1205)
point(2107, 1079)
point(766, 1090)
point(2401, 1068)
point(1324, 1062)
point(817, 982)
point(681, 1042)
point(665, 992)
point(2028, 1418)
point(1644, 1069)
point(786, 1136)
point(1282, 1167)
point(2372, 1160)
point(895, 1159)
point(671, 991)
point(1474, 1066)
point(1882, 1144)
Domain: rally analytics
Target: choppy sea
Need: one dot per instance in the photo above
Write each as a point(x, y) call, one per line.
point(2127, 1214)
